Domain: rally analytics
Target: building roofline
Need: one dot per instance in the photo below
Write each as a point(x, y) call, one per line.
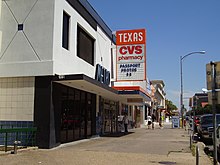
point(89, 10)
point(157, 82)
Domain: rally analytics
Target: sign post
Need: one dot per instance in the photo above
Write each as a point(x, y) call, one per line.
point(175, 122)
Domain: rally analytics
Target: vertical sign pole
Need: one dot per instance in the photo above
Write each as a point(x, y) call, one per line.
point(181, 90)
point(214, 99)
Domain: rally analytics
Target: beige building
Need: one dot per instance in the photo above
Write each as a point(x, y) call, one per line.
point(158, 97)
point(209, 81)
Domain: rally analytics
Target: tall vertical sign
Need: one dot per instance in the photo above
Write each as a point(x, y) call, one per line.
point(209, 80)
point(131, 55)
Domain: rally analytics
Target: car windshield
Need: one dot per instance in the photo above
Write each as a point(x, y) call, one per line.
point(208, 119)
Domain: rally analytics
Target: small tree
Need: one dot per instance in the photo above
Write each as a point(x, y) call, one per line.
point(207, 109)
point(170, 106)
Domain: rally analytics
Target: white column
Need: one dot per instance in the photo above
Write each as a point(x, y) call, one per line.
point(142, 111)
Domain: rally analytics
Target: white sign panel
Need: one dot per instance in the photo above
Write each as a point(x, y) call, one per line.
point(131, 55)
point(130, 71)
point(175, 122)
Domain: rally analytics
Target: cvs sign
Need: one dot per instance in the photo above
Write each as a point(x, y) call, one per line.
point(131, 51)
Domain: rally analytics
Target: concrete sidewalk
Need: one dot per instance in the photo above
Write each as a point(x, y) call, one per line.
point(141, 147)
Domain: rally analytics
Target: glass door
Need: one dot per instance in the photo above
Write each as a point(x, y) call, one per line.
point(77, 115)
point(64, 115)
point(107, 119)
point(77, 110)
point(83, 115)
point(89, 114)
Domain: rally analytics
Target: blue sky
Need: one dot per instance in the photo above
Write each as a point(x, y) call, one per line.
point(174, 28)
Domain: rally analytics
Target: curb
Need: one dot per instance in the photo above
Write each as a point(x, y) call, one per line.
point(2, 153)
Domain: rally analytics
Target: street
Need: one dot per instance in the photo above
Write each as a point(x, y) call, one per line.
point(139, 146)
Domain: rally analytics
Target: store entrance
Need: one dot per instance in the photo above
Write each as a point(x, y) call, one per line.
point(77, 114)
point(110, 114)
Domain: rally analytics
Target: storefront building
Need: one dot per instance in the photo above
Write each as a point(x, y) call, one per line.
point(213, 74)
point(57, 71)
point(55, 62)
point(158, 98)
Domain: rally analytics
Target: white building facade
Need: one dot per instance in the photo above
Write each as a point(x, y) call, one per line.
point(57, 68)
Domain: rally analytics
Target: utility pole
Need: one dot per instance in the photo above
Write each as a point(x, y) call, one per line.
point(214, 102)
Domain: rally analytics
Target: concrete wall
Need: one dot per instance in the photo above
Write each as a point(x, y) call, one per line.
point(66, 61)
point(17, 98)
point(26, 52)
point(0, 29)
point(37, 49)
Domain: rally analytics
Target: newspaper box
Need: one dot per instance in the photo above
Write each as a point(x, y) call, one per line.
point(175, 122)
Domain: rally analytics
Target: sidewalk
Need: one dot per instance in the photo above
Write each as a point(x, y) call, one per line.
point(140, 147)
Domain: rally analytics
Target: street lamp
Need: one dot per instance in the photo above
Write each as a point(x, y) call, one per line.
point(206, 90)
point(181, 79)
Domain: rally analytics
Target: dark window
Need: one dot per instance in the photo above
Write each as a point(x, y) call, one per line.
point(65, 38)
point(85, 46)
point(77, 110)
point(20, 27)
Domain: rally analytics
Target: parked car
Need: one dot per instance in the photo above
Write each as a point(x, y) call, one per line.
point(205, 127)
point(218, 139)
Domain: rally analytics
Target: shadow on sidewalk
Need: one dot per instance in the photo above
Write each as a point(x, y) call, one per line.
point(118, 134)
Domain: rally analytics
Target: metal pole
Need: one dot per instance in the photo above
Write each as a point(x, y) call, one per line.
point(197, 155)
point(190, 140)
point(194, 114)
point(193, 122)
point(214, 99)
point(181, 79)
point(181, 86)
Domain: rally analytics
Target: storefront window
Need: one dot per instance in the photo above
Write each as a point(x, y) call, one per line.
point(109, 115)
point(76, 114)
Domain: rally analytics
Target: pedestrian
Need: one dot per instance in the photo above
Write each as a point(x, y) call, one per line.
point(160, 122)
point(126, 121)
point(153, 118)
point(149, 121)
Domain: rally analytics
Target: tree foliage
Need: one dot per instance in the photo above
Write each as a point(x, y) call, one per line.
point(204, 110)
point(170, 106)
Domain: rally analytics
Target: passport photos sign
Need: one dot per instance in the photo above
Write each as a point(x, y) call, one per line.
point(131, 55)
